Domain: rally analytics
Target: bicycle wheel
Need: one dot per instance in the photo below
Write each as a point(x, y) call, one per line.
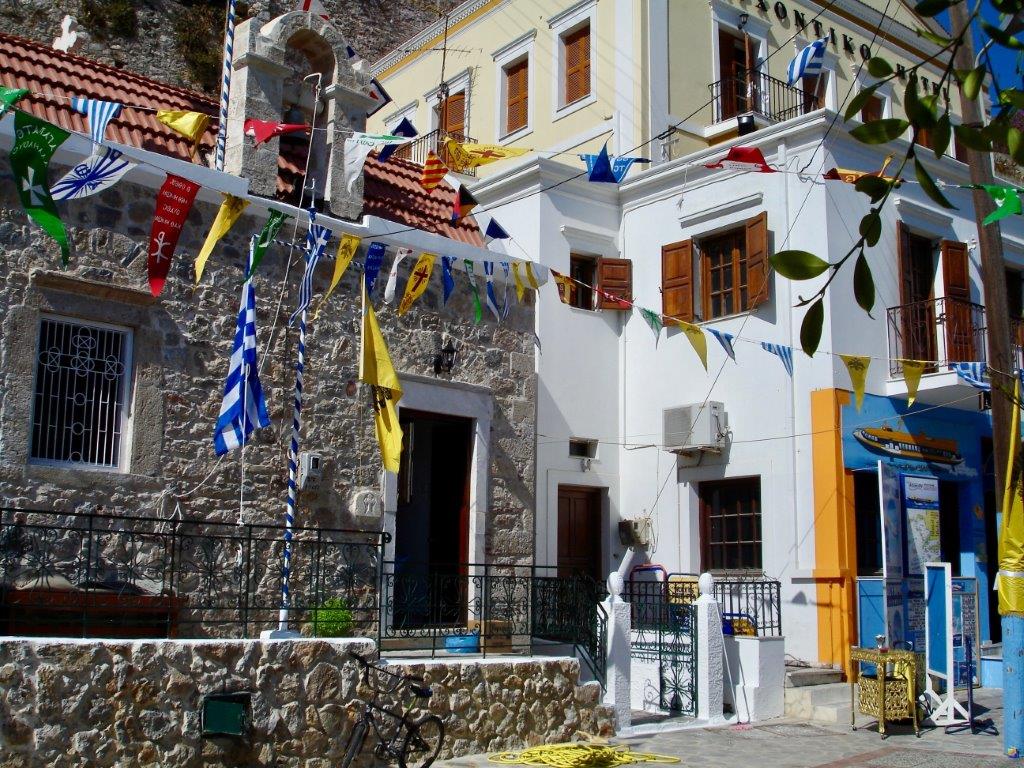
point(355, 743)
point(422, 742)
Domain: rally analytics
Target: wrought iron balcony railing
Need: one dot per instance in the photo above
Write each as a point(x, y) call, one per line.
point(417, 149)
point(760, 93)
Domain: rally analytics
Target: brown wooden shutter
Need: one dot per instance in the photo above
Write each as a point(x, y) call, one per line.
point(756, 253)
point(453, 114)
point(614, 276)
point(577, 64)
point(958, 310)
point(677, 280)
point(516, 95)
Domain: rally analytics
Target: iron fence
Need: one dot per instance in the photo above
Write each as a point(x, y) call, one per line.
point(418, 149)
point(761, 94)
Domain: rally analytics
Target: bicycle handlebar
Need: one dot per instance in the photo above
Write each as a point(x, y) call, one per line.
point(366, 664)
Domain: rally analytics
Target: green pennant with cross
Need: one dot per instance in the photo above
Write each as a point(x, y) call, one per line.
point(35, 142)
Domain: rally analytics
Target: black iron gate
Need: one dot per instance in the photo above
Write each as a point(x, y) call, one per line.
point(665, 633)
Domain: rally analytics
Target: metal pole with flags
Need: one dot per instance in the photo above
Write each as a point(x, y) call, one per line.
point(293, 470)
point(225, 86)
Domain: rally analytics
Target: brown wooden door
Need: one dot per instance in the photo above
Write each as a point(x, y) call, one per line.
point(451, 115)
point(733, 58)
point(958, 310)
point(579, 531)
point(917, 310)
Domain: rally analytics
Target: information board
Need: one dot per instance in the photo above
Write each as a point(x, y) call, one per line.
point(891, 511)
point(965, 625)
point(921, 507)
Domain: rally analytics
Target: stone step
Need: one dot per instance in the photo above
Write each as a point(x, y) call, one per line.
point(814, 702)
point(799, 677)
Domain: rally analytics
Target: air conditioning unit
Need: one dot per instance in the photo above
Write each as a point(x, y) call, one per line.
point(695, 427)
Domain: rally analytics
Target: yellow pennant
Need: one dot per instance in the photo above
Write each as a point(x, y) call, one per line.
point(857, 367)
point(375, 369)
point(418, 281)
point(530, 277)
point(1010, 583)
point(230, 209)
point(461, 156)
point(346, 251)
point(564, 284)
point(520, 288)
point(191, 125)
point(912, 370)
point(697, 340)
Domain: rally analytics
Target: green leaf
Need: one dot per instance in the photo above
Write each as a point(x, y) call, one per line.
point(971, 84)
point(879, 67)
point(929, 186)
point(1003, 38)
point(873, 186)
point(871, 228)
point(859, 100)
point(810, 328)
point(917, 110)
point(927, 34)
point(972, 138)
point(1014, 142)
point(941, 135)
point(798, 265)
point(880, 131)
point(1012, 97)
point(933, 7)
point(863, 284)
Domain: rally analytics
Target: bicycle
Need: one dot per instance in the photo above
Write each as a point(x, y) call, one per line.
point(415, 743)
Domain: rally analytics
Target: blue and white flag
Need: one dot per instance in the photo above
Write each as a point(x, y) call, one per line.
point(243, 408)
point(725, 339)
point(374, 261)
point(316, 241)
point(447, 280)
point(785, 354)
point(492, 300)
point(102, 169)
point(404, 128)
point(974, 374)
point(601, 167)
point(504, 298)
point(98, 114)
point(807, 63)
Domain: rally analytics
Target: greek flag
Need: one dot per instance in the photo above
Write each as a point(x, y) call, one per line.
point(808, 62)
point(102, 169)
point(243, 408)
point(785, 354)
point(973, 373)
point(316, 240)
point(98, 114)
point(492, 300)
point(725, 339)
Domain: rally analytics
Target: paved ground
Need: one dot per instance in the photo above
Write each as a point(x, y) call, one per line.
point(789, 744)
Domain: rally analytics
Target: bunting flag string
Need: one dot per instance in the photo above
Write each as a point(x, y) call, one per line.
point(974, 373)
point(492, 300)
point(857, 368)
point(173, 203)
point(912, 370)
point(504, 298)
point(316, 241)
point(743, 159)
point(447, 280)
point(697, 340)
point(418, 281)
point(564, 284)
point(478, 312)
point(463, 155)
point(464, 203)
point(191, 125)
point(98, 114)
point(433, 171)
point(346, 252)
point(30, 156)
point(266, 237)
point(11, 96)
point(392, 284)
point(265, 130)
point(371, 266)
point(725, 339)
point(405, 129)
point(602, 168)
point(357, 147)
point(375, 369)
point(101, 170)
point(653, 319)
point(520, 288)
point(230, 211)
point(784, 353)
point(495, 231)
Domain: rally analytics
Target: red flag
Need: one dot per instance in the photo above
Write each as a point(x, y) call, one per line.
point(744, 159)
point(433, 171)
point(173, 203)
point(314, 7)
point(264, 130)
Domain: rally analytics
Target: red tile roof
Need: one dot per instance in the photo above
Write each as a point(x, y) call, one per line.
point(392, 190)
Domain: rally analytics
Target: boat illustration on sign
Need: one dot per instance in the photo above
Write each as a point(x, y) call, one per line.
point(904, 445)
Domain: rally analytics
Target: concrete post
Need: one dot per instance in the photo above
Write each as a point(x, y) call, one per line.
point(710, 654)
point(618, 668)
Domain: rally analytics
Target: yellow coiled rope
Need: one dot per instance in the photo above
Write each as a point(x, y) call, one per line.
point(575, 755)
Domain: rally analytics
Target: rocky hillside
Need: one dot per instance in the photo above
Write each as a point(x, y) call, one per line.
point(179, 41)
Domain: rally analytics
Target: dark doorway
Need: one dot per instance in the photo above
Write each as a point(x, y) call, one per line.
point(949, 524)
point(579, 531)
point(868, 522)
point(735, 59)
point(988, 480)
point(917, 295)
point(432, 519)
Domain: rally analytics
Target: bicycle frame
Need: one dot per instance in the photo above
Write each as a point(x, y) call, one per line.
point(389, 743)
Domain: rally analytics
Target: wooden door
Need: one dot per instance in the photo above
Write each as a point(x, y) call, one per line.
point(579, 531)
point(958, 310)
point(451, 121)
point(917, 310)
point(734, 61)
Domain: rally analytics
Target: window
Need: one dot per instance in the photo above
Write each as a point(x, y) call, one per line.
point(873, 109)
point(516, 95)
point(815, 89)
point(583, 449)
point(582, 269)
point(576, 57)
point(82, 375)
point(730, 524)
point(733, 273)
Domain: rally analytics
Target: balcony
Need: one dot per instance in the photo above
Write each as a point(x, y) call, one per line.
point(417, 149)
point(761, 94)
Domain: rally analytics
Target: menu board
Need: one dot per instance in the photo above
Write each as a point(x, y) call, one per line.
point(921, 506)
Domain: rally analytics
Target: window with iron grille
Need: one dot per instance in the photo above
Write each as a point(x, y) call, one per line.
point(730, 522)
point(81, 386)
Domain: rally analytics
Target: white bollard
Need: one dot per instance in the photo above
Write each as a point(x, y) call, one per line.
point(617, 675)
point(710, 654)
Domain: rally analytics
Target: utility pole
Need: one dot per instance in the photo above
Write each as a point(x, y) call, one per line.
point(997, 316)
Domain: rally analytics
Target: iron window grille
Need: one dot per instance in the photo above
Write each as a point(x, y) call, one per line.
point(79, 409)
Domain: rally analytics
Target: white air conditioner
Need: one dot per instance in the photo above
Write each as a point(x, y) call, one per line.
point(695, 427)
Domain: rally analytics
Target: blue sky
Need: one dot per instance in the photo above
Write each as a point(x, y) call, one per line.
point(1005, 62)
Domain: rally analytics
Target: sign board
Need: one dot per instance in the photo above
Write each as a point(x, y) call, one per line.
point(965, 625)
point(938, 614)
point(892, 521)
point(921, 505)
point(894, 613)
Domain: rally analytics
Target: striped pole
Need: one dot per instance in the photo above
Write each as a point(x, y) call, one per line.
point(293, 470)
point(225, 86)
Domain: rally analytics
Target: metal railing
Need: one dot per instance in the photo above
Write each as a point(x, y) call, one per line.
point(417, 149)
point(759, 93)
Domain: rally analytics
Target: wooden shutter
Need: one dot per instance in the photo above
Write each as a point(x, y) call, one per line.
point(903, 257)
point(756, 254)
point(958, 310)
point(577, 64)
point(516, 95)
point(677, 280)
point(614, 276)
point(453, 114)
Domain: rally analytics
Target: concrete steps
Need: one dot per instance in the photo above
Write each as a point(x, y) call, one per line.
point(825, 703)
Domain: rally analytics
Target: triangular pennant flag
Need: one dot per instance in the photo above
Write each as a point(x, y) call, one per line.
point(600, 167)
point(404, 128)
point(464, 203)
point(230, 210)
point(357, 147)
point(191, 125)
point(912, 370)
point(492, 300)
point(520, 288)
point(98, 114)
point(101, 170)
point(652, 318)
point(375, 369)
point(371, 266)
point(1007, 200)
point(857, 367)
point(11, 96)
point(743, 159)
point(478, 312)
point(495, 231)
point(784, 353)
point(530, 277)
point(380, 97)
point(418, 281)
point(433, 171)
point(265, 130)
point(619, 301)
point(974, 373)
point(447, 280)
point(564, 284)
point(346, 251)
point(725, 339)
point(392, 285)
point(267, 235)
point(697, 340)
point(173, 203)
point(317, 237)
point(462, 156)
point(504, 296)
point(35, 144)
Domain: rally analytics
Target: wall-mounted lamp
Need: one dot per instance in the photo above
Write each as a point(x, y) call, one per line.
point(744, 18)
point(444, 360)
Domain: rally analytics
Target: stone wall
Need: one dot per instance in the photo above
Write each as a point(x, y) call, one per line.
point(73, 703)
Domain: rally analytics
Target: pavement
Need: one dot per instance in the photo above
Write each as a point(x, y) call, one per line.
point(786, 743)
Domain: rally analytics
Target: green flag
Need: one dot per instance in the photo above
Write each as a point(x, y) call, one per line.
point(478, 312)
point(653, 319)
point(270, 230)
point(10, 96)
point(35, 142)
point(1007, 202)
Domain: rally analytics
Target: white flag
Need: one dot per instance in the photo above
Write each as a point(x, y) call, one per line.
point(389, 289)
point(101, 170)
point(357, 147)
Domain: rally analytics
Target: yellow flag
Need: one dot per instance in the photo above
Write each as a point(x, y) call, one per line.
point(230, 209)
point(418, 281)
point(857, 367)
point(376, 370)
point(530, 277)
point(1011, 533)
point(520, 288)
point(697, 339)
point(463, 156)
point(346, 251)
point(564, 284)
point(912, 370)
point(191, 125)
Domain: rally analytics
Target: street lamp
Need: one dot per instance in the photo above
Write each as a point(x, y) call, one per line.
point(444, 360)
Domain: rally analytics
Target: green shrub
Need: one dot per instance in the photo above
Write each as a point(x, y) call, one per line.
point(332, 619)
point(109, 18)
